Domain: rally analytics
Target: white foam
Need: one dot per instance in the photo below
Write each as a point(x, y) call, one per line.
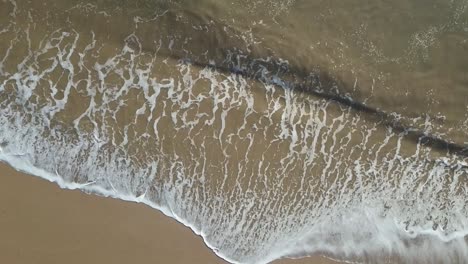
point(259, 170)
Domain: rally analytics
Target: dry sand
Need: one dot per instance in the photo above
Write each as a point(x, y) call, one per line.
point(43, 224)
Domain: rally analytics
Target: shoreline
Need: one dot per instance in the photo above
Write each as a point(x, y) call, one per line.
point(43, 223)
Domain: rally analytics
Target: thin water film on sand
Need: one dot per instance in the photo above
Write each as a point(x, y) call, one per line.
point(272, 129)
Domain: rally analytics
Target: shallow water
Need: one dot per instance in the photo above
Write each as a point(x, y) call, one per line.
point(271, 128)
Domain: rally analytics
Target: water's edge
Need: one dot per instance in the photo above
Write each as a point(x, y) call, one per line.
point(23, 166)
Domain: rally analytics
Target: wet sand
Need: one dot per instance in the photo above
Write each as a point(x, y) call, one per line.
point(41, 223)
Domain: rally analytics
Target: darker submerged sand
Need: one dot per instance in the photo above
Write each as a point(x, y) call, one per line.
point(41, 223)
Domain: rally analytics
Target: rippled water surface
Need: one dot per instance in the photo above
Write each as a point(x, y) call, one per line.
point(271, 128)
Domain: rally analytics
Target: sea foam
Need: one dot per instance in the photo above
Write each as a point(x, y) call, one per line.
point(233, 149)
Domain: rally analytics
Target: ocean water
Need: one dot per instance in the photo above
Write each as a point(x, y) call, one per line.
point(271, 128)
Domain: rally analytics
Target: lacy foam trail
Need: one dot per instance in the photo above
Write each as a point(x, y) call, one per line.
point(262, 154)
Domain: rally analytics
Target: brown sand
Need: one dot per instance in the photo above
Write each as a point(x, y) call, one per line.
point(43, 224)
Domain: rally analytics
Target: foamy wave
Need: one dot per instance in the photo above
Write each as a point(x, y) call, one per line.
point(261, 168)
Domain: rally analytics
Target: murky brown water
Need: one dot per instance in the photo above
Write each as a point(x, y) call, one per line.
point(271, 128)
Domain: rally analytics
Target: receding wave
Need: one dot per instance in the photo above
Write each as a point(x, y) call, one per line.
point(263, 155)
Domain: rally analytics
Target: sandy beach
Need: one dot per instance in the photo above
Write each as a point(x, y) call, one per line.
point(309, 128)
point(41, 223)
